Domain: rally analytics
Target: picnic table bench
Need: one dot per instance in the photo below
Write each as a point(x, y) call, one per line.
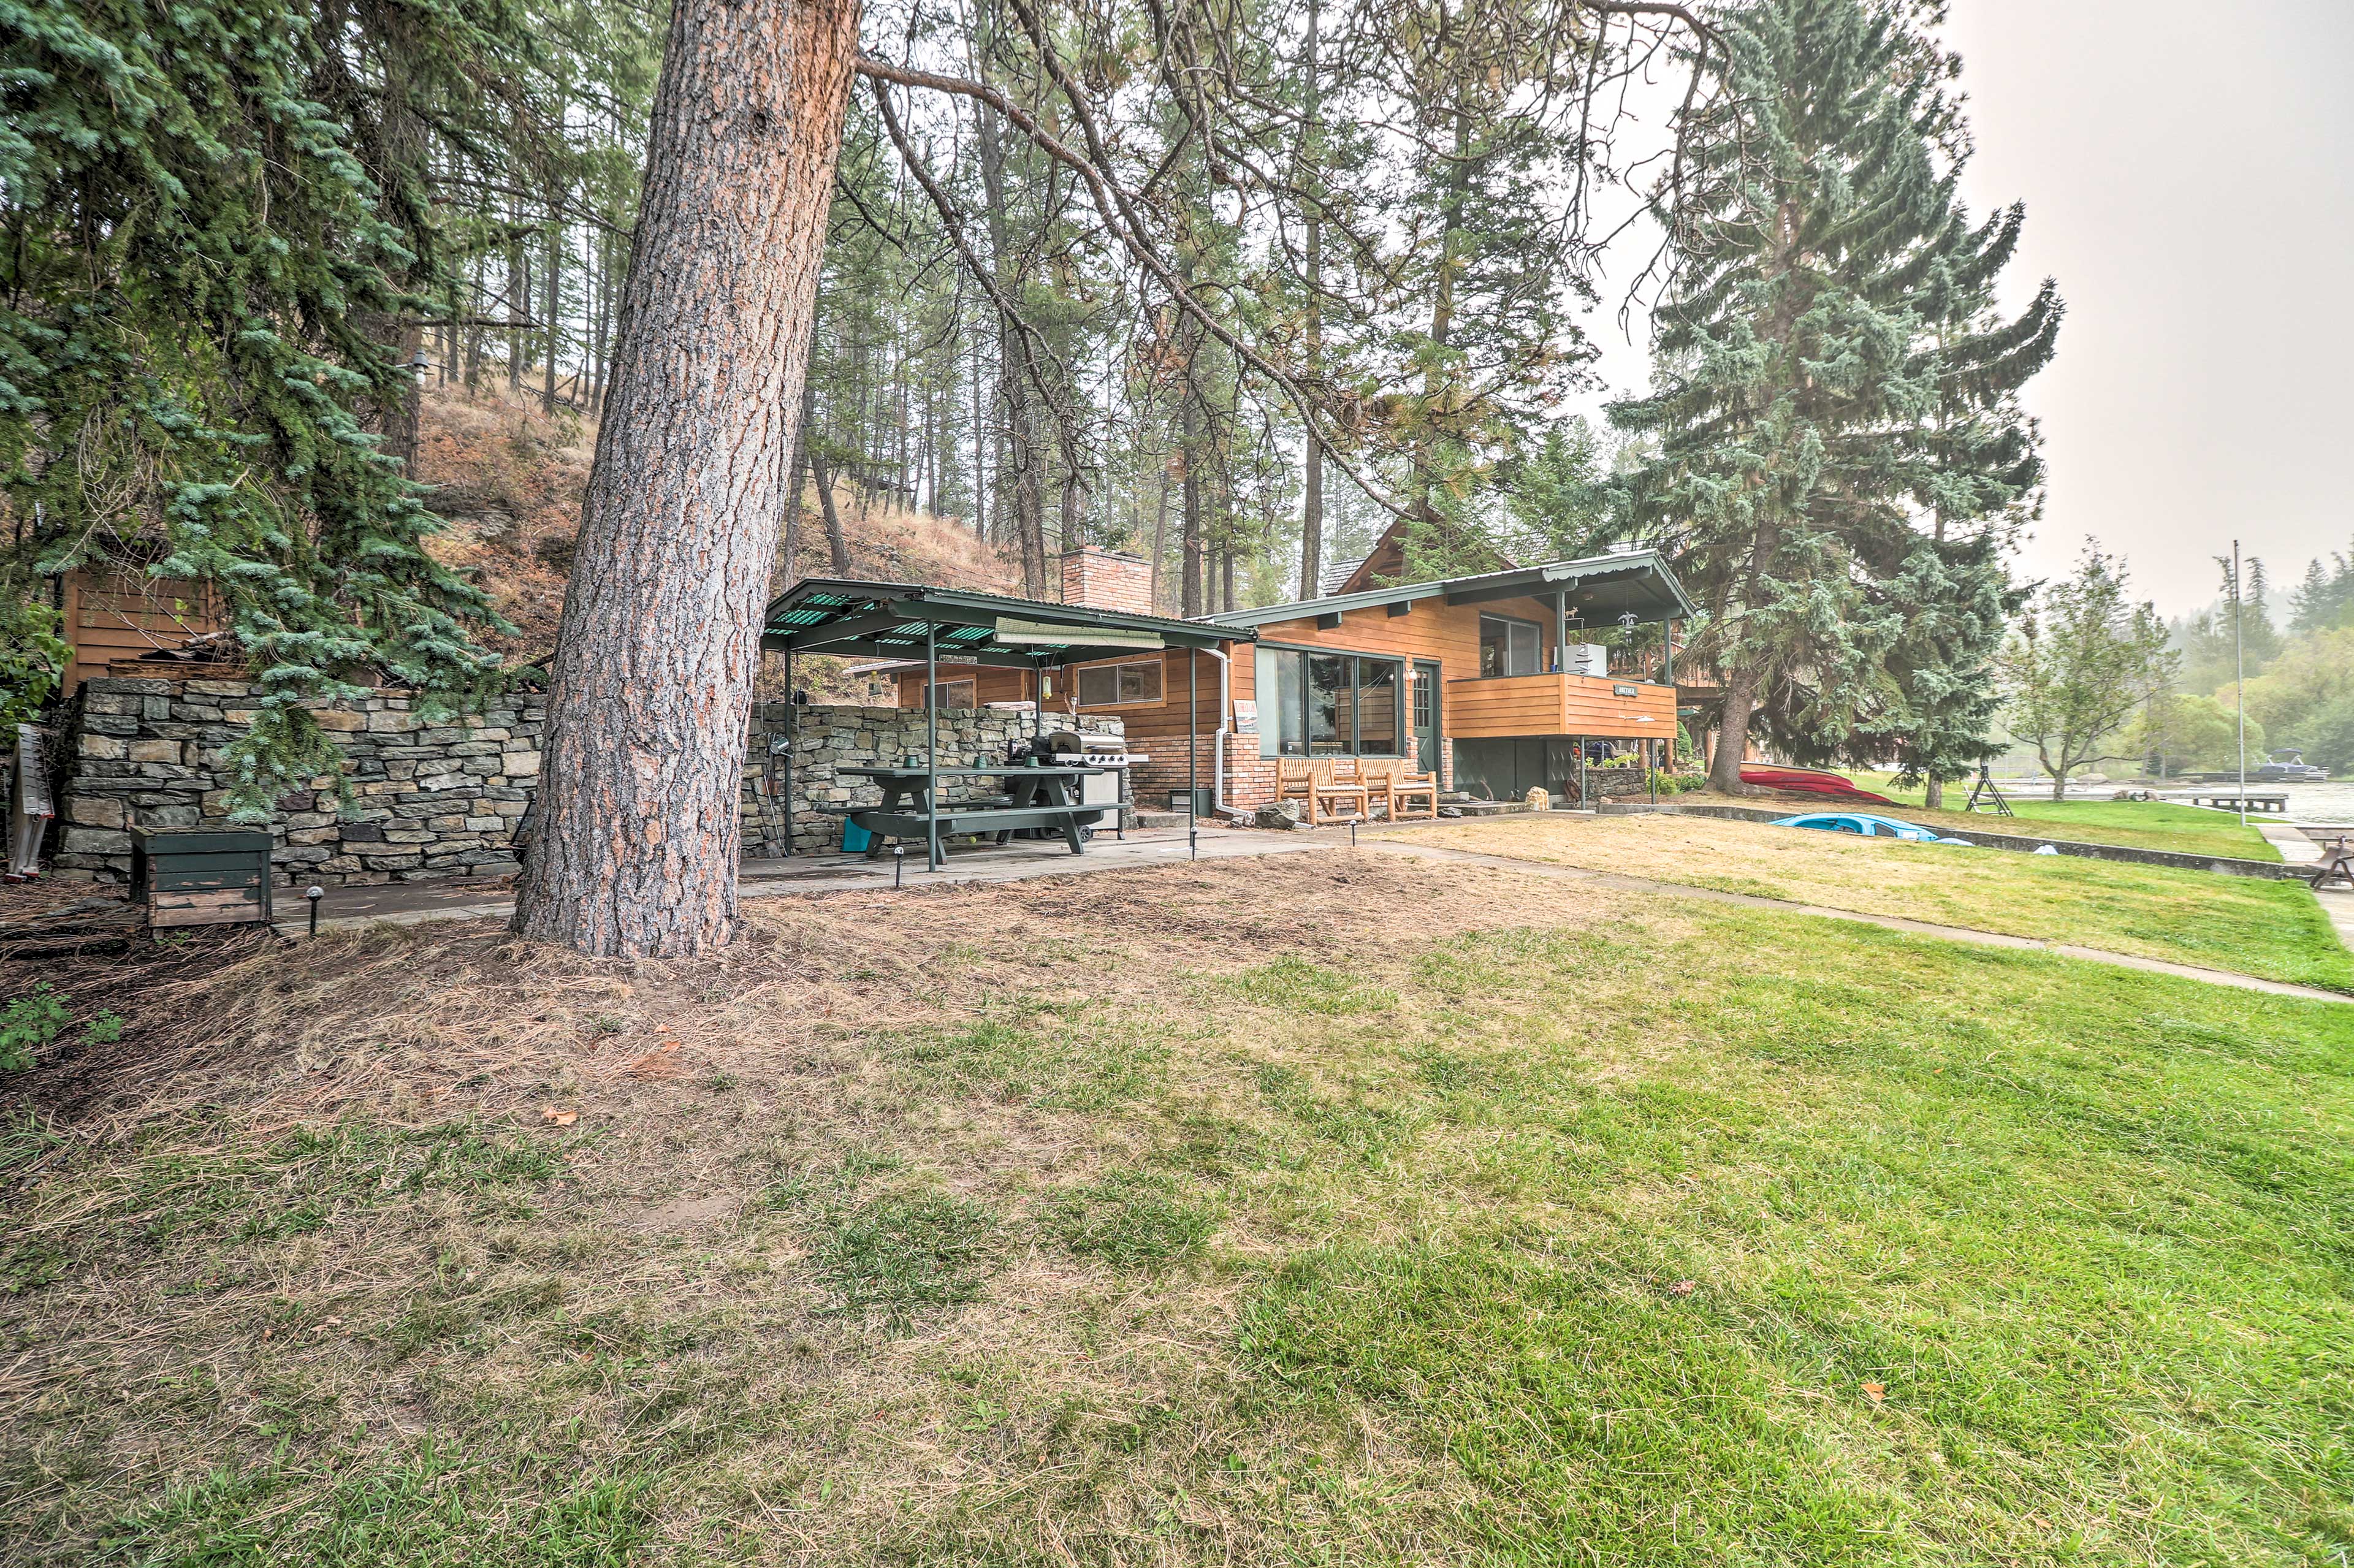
point(1041, 797)
point(2337, 861)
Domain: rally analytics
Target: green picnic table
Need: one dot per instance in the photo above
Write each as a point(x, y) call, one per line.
point(1041, 797)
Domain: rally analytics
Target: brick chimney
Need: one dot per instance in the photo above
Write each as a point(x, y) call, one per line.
point(1107, 579)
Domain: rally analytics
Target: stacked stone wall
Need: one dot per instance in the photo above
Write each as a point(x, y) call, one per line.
point(828, 740)
point(430, 799)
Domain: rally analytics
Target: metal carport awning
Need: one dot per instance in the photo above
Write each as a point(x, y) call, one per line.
point(851, 618)
point(891, 620)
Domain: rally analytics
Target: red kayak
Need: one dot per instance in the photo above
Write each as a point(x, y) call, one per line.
point(1808, 782)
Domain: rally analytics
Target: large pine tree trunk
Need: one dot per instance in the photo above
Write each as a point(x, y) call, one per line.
point(651, 684)
point(1733, 733)
point(1189, 523)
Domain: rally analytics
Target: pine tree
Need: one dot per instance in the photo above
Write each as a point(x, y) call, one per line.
point(2324, 599)
point(1835, 395)
point(193, 263)
point(1939, 701)
point(1496, 270)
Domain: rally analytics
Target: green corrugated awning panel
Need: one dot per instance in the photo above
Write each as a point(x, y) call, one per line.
point(844, 617)
point(1016, 633)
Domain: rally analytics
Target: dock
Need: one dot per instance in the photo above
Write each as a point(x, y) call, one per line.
point(2235, 800)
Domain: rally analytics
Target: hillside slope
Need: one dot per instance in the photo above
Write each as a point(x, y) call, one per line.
point(510, 481)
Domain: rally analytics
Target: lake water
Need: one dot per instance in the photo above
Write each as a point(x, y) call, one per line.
point(2332, 803)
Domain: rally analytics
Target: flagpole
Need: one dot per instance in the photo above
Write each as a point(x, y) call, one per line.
point(2240, 684)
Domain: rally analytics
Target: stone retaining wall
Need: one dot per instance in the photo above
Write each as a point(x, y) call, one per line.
point(428, 800)
point(827, 739)
point(438, 800)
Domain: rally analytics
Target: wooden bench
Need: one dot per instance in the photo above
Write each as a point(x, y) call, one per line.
point(1395, 783)
point(1322, 782)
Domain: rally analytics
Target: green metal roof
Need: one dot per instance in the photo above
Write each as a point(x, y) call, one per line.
point(1601, 589)
point(888, 621)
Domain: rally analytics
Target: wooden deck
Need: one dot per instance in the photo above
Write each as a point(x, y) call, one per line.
point(1502, 707)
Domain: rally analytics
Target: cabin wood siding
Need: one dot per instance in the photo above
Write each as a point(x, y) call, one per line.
point(1431, 630)
point(1164, 719)
point(1475, 706)
point(1504, 705)
point(114, 615)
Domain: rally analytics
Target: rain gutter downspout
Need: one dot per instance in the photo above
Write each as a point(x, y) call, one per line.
point(1225, 715)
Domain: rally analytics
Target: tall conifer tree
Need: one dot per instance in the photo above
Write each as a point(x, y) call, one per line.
point(194, 281)
point(1840, 452)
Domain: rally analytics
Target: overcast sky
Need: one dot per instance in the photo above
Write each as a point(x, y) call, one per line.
point(2189, 175)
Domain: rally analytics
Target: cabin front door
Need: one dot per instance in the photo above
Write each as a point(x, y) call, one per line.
point(1426, 714)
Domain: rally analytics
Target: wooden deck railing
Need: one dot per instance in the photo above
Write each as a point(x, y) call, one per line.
point(1595, 706)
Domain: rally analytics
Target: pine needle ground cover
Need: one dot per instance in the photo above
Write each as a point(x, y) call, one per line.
point(2274, 930)
point(2135, 825)
point(1328, 1208)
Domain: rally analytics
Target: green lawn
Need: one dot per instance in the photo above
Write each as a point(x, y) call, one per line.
point(2136, 824)
point(2274, 929)
point(1517, 1229)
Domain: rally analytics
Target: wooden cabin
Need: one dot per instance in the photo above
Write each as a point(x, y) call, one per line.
point(1491, 680)
point(113, 618)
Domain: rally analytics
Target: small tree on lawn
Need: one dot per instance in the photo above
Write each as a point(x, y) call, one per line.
point(2084, 659)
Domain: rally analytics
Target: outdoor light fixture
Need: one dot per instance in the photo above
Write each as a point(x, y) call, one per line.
point(898, 863)
point(314, 894)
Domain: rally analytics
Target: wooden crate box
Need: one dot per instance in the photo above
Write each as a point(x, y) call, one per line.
point(200, 876)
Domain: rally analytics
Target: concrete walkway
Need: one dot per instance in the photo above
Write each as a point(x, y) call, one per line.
point(1886, 922)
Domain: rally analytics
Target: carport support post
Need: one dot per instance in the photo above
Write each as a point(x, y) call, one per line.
point(1583, 803)
point(931, 749)
point(1192, 754)
point(1652, 767)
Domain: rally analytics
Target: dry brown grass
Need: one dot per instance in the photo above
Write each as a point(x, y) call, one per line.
point(662, 1269)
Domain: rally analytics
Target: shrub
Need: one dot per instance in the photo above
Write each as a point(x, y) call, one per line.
point(32, 1021)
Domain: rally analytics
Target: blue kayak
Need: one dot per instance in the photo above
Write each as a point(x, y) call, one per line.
point(1869, 824)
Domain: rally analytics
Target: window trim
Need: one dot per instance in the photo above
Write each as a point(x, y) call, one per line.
point(1270, 738)
point(971, 680)
point(1159, 664)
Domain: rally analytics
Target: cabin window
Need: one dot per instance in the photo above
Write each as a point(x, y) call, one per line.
point(954, 694)
point(1509, 647)
point(1118, 686)
point(1329, 705)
